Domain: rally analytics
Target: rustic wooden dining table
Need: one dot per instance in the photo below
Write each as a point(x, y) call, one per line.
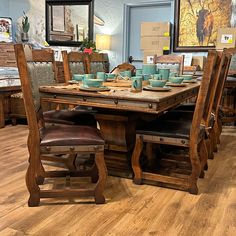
point(118, 112)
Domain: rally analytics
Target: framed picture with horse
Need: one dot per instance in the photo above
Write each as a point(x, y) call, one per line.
point(197, 22)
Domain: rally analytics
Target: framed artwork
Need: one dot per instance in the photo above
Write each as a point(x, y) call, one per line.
point(5, 29)
point(197, 22)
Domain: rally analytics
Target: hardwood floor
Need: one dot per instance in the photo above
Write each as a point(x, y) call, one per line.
point(130, 209)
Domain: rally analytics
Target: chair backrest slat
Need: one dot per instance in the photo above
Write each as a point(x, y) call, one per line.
point(202, 95)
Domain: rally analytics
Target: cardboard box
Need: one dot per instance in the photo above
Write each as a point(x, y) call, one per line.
point(148, 55)
point(155, 43)
point(155, 29)
point(199, 61)
point(226, 38)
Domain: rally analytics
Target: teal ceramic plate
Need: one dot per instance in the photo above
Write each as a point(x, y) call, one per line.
point(176, 85)
point(190, 81)
point(94, 89)
point(158, 89)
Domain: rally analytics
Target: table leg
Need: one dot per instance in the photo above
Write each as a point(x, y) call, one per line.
point(119, 134)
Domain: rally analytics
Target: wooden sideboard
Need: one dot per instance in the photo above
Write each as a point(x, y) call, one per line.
point(7, 55)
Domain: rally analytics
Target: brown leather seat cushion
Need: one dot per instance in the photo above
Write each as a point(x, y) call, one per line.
point(74, 117)
point(70, 136)
point(183, 115)
point(165, 128)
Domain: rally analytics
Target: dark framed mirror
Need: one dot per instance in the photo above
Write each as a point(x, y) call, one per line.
point(69, 22)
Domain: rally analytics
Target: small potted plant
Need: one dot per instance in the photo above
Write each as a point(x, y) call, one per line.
point(88, 46)
point(25, 28)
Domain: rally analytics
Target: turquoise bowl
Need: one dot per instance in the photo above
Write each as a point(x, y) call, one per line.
point(157, 83)
point(77, 77)
point(93, 82)
point(176, 80)
point(187, 77)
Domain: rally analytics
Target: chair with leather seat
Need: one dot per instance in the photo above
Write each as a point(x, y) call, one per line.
point(211, 109)
point(41, 67)
point(95, 62)
point(73, 63)
point(76, 63)
point(57, 140)
point(173, 62)
point(189, 135)
point(123, 67)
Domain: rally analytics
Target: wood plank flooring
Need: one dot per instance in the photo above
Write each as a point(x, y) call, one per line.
point(130, 209)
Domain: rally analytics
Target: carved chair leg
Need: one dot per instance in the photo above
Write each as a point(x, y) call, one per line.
point(135, 160)
point(196, 169)
point(32, 185)
point(102, 173)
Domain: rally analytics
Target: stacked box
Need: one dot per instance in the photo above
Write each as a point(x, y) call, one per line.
point(226, 38)
point(155, 38)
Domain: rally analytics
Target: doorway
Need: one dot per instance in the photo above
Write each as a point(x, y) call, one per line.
point(134, 14)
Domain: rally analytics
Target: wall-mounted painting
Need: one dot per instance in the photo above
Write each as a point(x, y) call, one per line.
point(5, 29)
point(197, 21)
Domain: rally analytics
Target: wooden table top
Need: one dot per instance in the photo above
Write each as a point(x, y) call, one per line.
point(9, 85)
point(9, 80)
point(120, 98)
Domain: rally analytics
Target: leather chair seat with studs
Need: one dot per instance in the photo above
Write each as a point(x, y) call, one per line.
point(166, 128)
point(69, 136)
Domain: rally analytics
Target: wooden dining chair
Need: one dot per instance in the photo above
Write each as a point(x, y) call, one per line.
point(211, 110)
point(173, 62)
point(123, 67)
point(42, 69)
point(95, 62)
point(57, 140)
point(74, 63)
point(217, 125)
point(189, 135)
